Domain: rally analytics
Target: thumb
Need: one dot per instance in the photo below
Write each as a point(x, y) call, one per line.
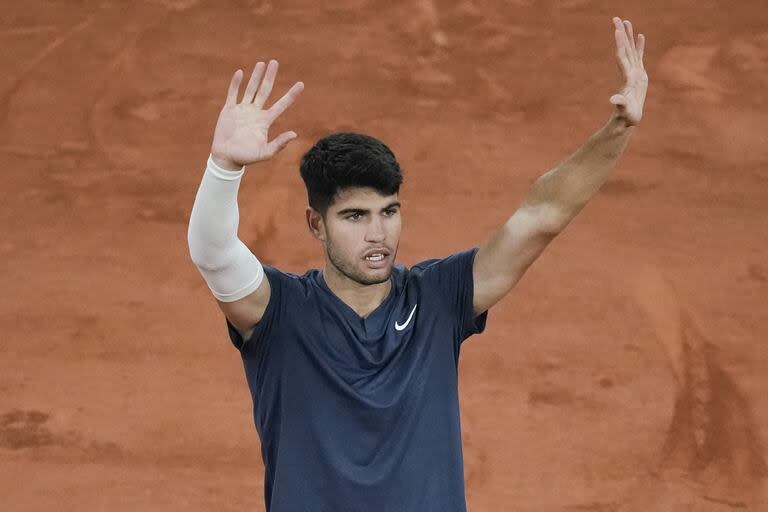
point(618, 99)
point(281, 141)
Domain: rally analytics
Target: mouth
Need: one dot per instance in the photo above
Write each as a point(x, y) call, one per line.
point(376, 258)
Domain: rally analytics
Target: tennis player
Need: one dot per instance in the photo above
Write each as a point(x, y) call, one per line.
point(353, 368)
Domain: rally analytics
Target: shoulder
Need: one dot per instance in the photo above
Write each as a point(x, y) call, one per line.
point(290, 281)
point(458, 260)
point(287, 292)
point(441, 273)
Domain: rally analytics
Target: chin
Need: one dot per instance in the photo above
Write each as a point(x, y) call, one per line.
point(376, 277)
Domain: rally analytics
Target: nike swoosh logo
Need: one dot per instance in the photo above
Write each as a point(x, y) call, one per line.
point(399, 327)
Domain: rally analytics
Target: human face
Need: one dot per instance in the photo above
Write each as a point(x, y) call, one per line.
point(362, 234)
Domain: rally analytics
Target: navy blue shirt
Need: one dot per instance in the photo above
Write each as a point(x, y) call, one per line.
point(362, 414)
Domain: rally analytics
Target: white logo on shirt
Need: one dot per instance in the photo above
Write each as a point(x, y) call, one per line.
point(399, 327)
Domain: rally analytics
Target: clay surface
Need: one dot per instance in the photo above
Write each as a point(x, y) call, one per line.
point(625, 372)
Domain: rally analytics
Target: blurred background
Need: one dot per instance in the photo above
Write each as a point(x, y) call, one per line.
point(626, 371)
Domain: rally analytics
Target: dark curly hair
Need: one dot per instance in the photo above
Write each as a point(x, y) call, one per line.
point(343, 160)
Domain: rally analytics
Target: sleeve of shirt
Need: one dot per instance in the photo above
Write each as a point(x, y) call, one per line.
point(453, 277)
point(277, 283)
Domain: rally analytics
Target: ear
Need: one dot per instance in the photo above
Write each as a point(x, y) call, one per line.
point(315, 223)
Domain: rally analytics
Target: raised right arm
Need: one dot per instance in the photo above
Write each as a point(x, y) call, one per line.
point(232, 272)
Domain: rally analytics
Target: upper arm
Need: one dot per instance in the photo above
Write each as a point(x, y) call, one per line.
point(503, 259)
point(246, 312)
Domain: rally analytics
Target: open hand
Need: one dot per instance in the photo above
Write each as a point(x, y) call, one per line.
point(241, 135)
point(629, 102)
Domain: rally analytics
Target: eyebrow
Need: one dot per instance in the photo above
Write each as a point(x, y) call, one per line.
point(363, 211)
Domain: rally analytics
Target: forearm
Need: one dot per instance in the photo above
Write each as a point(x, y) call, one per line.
point(227, 265)
point(567, 188)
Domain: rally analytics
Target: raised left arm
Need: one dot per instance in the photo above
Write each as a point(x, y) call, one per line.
point(559, 195)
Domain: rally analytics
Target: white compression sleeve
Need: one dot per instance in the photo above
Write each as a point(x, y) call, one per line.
point(227, 265)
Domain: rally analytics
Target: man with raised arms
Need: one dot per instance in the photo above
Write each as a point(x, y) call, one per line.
point(353, 368)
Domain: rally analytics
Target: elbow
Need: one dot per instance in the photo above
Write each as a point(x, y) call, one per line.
point(208, 260)
point(207, 255)
point(550, 218)
point(211, 247)
point(195, 248)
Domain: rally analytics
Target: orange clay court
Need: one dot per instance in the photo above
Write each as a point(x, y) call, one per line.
point(627, 371)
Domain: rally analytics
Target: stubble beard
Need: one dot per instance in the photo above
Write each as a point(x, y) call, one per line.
point(349, 270)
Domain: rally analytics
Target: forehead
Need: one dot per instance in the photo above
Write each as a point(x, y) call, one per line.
point(364, 198)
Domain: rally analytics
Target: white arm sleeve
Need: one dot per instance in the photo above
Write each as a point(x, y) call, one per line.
point(227, 265)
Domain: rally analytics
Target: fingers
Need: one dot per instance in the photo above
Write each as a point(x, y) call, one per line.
point(253, 83)
point(621, 53)
point(623, 46)
point(266, 85)
point(630, 34)
point(286, 101)
point(234, 87)
point(280, 142)
point(626, 47)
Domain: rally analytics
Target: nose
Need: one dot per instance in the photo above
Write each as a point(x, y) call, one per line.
point(375, 231)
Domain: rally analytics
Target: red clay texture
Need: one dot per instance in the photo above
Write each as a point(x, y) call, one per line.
point(625, 372)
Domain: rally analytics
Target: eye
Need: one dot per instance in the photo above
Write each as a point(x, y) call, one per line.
point(354, 216)
point(390, 212)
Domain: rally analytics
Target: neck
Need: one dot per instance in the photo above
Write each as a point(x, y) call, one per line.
point(362, 298)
